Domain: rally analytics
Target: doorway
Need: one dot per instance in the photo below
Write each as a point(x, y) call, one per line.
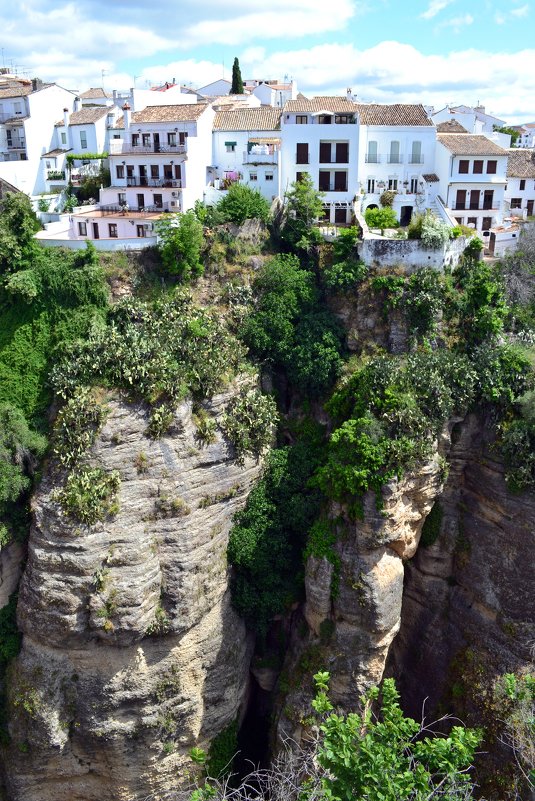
point(405, 216)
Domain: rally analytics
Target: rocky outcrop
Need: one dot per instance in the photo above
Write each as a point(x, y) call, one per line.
point(132, 653)
point(352, 625)
point(11, 558)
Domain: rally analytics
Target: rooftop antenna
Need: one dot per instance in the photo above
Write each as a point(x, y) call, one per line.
point(103, 73)
point(3, 59)
point(135, 79)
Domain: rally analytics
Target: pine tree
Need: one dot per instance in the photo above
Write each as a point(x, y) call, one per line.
point(237, 83)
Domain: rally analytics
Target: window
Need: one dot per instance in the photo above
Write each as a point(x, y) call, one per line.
point(269, 176)
point(121, 198)
point(301, 156)
point(516, 202)
point(301, 119)
point(325, 119)
point(472, 221)
point(135, 140)
point(230, 147)
point(83, 139)
point(414, 185)
point(393, 184)
point(343, 119)
point(158, 201)
point(340, 181)
point(416, 153)
point(325, 152)
point(491, 167)
point(171, 139)
point(394, 156)
point(63, 138)
point(120, 171)
point(342, 153)
point(145, 138)
point(324, 180)
point(82, 229)
point(478, 167)
point(340, 216)
point(463, 166)
point(140, 231)
point(371, 155)
point(253, 176)
point(18, 108)
point(488, 199)
point(371, 186)
point(154, 171)
point(522, 184)
point(112, 230)
point(486, 224)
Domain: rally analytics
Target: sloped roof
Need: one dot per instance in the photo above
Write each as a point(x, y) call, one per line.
point(58, 151)
point(431, 177)
point(94, 93)
point(187, 112)
point(86, 115)
point(337, 105)
point(16, 91)
point(263, 118)
point(521, 163)
point(396, 114)
point(470, 145)
point(451, 126)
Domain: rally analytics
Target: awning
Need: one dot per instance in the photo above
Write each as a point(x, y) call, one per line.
point(230, 143)
point(264, 140)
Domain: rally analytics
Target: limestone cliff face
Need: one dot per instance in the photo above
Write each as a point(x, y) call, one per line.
point(350, 630)
point(132, 653)
point(469, 607)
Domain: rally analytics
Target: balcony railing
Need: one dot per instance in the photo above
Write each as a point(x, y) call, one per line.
point(55, 175)
point(172, 183)
point(394, 158)
point(414, 158)
point(16, 144)
point(333, 188)
point(372, 158)
point(260, 158)
point(117, 148)
point(492, 205)
point(12, 117)
point(124, 211)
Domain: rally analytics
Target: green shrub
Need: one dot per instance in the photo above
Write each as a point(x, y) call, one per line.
point(381, 218)
point(243, 203)
point(303, 208)
point(89, 494)
point(10, 637)
point(180, 239)
point(435, 233)
point(344, 275)
point(76, 426)
point(222, 751)
point(387, 198)
point(432, 525)
point(424, 300)
point(249, 422)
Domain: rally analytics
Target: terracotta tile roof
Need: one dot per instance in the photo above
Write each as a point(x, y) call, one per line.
point(470, 145)
point(396, 114)
point(337, 105)
point(451, 126)
point(58, 151)
point(15, 91)
point(94, 93)
point(263, 118)
point(431, 178)
point(86, 115)
point(521, 163)
point(187, 112)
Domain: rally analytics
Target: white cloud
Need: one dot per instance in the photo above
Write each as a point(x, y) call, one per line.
point(523, 11)
point(508, 15)
point(434, 8)
point(457, 23)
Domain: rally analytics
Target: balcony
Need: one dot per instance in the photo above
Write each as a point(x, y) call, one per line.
point(157, 183)
point(55, 175)
point(492, 205)
point(125, 211)
point(261, 158)
point(13, 118)
point(394, 158)
point(16, 144)
point(372, 158)
point(415, 159)
point(118, 148)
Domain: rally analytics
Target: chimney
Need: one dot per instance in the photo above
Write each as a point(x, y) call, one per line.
point(127, 114)
point(36, 84)
point(66, 116)
point(77, 103)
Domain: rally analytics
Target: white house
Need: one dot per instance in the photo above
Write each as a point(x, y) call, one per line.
point(28, 112)
point(321, 137)
point(96, 96)
point(473, 119)
point(526, 134)
point(396, 151)
point(520, 190)
point(216, 88)
point(166, 95)
point(160, 162)
point(273, 93)
point(472, 173)
point(246, 147)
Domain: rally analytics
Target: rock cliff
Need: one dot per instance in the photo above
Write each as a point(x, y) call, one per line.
point(132, 653)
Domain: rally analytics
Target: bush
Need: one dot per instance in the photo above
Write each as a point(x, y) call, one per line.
point(387, 198)
point(180, 242)
point(435, 233)
point(249, 422)
point(76, 427)
point(303, 207)
point(243, 203)
point(89, 495)
point(344, 275)
point(424, 300)
point(381, 218)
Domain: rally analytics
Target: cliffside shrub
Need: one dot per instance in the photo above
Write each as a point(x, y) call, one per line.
point(10, 637)
point(344, 275)
point(222, 751)
point(431, 526)
point(180, 239)
point(242, 203)
point(249, 422)
point(76, 426)
point(303, 207)
point(424, 301)
point(89, 494)
point(434, 232)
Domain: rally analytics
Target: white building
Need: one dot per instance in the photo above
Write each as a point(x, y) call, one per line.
point(520, 190)
point(166, 95)
point(321, 137)
point(160, 163)
point(273, 93)
point(526, 135)
point(28, 113)
point(473, 119)
point(247, 147)
point(216, 88)
point(96, 96)
point(472, 173)
point(396, 151)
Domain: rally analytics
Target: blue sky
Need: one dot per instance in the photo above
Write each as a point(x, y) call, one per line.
point(430, 51)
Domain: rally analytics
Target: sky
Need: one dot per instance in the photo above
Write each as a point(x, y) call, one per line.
point(387, 51)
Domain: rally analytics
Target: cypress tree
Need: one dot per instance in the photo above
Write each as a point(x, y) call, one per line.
point(237, 83)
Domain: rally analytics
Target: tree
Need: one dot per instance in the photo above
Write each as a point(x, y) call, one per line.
point(303, 207)
point(505, 129)
point(381, 218)
point(180, 242)
point(18, 224)
point(237, 83)
point(242, 203)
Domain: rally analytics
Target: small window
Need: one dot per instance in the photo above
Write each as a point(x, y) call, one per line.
point(18, 108)
point(478, 167)
point(135, 140)
point(253, 176)
point(63, 138)
point(140, 231)
point(301, 156)
point(301, 119)
point(472, 221)
point(486, 224)
point(463, 166)
point(145, 138)
point(48, 163)
point(269, 176)
point(82, 229)
point(120, 171)
point(121, 198)
point(342, 119)
point(158, 201)
point(83, 140)
point(371, 155)
point(371, 186)
point(522, 184)
point(393, 184)
point(414, 185)
point(154, 171)
point(516, 202)
point(325, 119)
point(112, 230)
point(230, 147)
point(171, 139)
point(491, 167)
